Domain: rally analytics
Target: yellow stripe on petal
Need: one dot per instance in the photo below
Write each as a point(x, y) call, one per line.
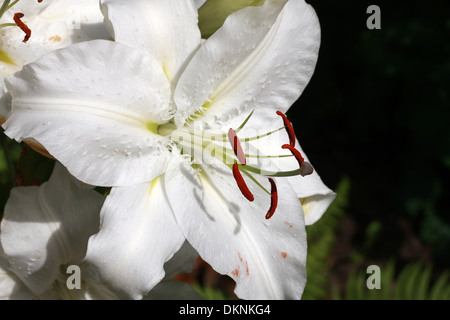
point(6, 59)
point(154, 183)
point(152, 127)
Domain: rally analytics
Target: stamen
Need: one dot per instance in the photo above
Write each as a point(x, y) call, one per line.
point(273, 199)
point(245, 121)
point(295, 152)
point(305, 167)
point(236, 145)
point(241, 183)
point(223, 137)
point(289, 128)
point(22, 25)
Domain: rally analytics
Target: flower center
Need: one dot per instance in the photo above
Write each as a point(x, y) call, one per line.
point(202, 146)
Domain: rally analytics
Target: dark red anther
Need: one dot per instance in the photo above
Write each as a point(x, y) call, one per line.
point(21, 25)
point(236, 145)
point(289, 128)
point(241, 183)
point(273, 199)
point(305, 167)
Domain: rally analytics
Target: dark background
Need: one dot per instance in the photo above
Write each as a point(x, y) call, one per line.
point(377, 111)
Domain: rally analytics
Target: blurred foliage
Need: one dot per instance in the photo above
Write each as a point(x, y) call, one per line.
point(20, 166)
point(32, 167)
point(209, 293)
point(321, 239)
point(412, 283)
point(9, 156)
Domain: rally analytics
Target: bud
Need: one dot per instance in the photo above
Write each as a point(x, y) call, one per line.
point(213, 13)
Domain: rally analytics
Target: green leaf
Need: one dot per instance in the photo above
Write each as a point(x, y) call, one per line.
point(356, 286)
point(209, 293)
point(412, 283)
point(423, 283)
point(321, 238)
point(387, 280)
point(438, 292)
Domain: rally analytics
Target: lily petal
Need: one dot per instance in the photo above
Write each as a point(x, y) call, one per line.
point(266, 258)
point(11, 287)
point(167, 29)
point(103, 99)
point(314, 195)
point(262, 57)
point(138, 235)
point(47, 226)
point(82, 17)
point(54, 25)
point(5, 101)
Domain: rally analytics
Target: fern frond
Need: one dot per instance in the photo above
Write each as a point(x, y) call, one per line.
point(412, 283)
point(321, 238)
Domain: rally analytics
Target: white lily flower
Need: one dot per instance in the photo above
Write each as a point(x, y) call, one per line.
point(146, 115)
point(54, 24)
point(45, 229)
